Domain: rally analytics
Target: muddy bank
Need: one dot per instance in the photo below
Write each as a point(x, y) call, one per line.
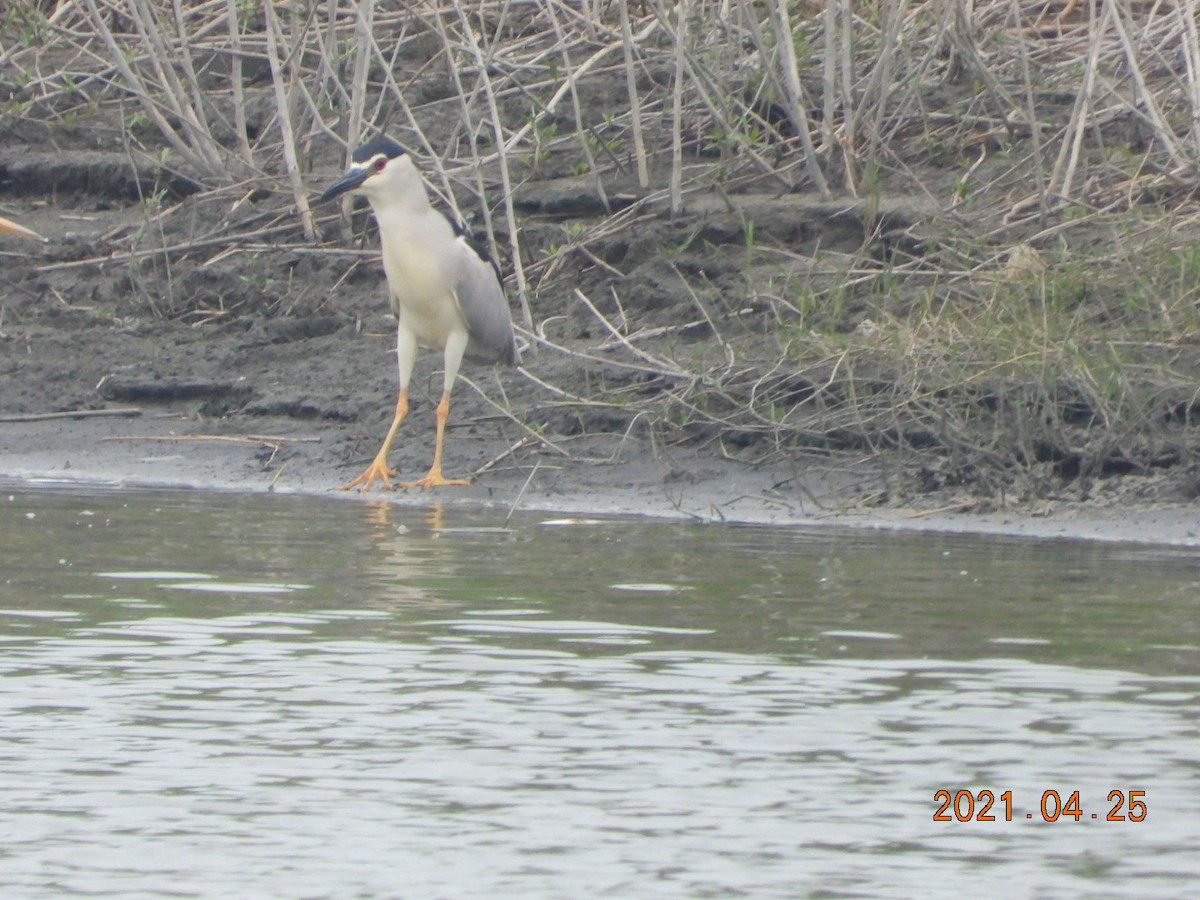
point(176, 451)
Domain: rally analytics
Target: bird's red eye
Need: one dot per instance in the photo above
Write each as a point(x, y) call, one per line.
point(380, 163)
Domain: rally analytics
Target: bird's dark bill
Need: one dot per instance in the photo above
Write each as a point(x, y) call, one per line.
point(348, 182)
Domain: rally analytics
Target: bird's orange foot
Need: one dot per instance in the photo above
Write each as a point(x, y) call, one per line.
point(376, 471)
point(434, 478)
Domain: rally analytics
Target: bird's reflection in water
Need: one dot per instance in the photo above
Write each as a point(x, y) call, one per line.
point(382, 515)
point(378, 514)
point(435, 519)
point(403, 557)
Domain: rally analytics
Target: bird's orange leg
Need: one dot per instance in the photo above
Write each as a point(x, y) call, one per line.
point(378, 470)
point(434, 477)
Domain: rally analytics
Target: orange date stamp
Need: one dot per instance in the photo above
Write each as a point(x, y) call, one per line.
point(981, 806)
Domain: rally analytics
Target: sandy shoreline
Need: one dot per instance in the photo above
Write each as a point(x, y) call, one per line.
point(168, 452)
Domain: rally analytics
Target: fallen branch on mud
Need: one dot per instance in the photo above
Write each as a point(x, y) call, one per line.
point(179, 249)
point(127, 413)
point(270, 440)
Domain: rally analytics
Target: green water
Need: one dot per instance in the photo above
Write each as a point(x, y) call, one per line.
point(225, 695)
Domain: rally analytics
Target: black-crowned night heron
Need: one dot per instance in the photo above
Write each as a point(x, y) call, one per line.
point(445, 293)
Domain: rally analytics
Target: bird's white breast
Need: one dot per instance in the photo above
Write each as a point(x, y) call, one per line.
point(420, 254)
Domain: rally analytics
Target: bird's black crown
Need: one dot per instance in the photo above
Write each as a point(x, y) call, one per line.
point(375, 146)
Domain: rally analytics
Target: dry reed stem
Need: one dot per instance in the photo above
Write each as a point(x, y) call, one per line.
point(870, 96)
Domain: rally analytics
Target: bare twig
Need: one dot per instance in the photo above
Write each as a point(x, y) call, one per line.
point(124, 413)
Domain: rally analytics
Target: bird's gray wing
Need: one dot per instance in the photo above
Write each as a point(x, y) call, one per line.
point(485, 308)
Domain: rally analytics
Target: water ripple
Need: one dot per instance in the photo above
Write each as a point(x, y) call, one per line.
point(433, 707)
